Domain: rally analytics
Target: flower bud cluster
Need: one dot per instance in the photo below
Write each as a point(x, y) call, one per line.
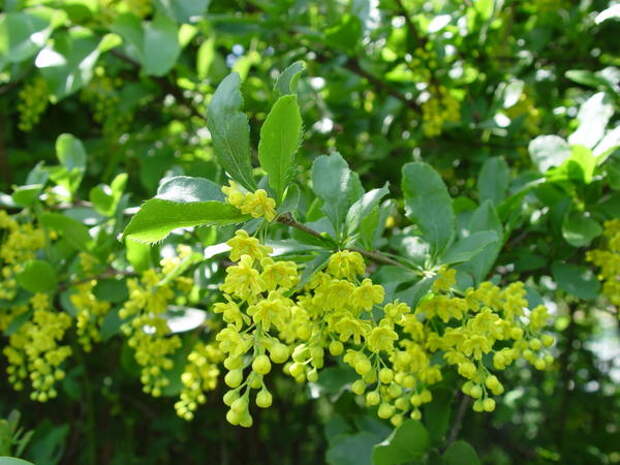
point(146, 327)
point(200, 375)
point(34, 98)
point(34, 351)
point(607, 259)
point(256, 204)
point(440, 107)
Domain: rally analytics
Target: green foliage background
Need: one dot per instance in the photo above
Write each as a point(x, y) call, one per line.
point(132, 79)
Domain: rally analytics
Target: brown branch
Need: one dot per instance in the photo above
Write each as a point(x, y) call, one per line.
point(412, 30)
point(458, 419)
point(378, 257)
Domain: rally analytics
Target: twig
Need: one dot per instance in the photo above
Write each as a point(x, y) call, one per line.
point(378, 257)
point(413, 32)
point(458, 419)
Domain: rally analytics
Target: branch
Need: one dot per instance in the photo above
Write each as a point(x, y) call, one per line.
point(413, 32)
point(378, 257)
point(110, 273)
point(458, 419)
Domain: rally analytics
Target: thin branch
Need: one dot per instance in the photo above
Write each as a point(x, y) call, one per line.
point(458, 419)
point(378, 257)
point(413, 31)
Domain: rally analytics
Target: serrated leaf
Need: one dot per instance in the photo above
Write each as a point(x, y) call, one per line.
point(460, 453)
point(287, 81)
point(280, 137)
point(184, 189)
point(37, 276)
point(408, 442)
point(158, 217)
point(230, 131)
point(428, 204)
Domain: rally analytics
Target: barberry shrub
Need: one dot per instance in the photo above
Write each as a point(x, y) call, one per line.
point(375, 233)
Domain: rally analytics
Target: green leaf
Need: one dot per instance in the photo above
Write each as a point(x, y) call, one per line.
point(460, 453)
point(587, 78)
point(548, 151)
point(579, 230)
point(138, 255)
point(230, 131)
point(183, 11)
point(437, 414)
point(364, 207)
point(353, 449)
point(593, 116)
point(23, 34)
point(280, 137)
point(578, 167)
point(13, 461)
point(155, 44)
point(25, 196)
point(493, 180)
point(467, 247)
point(485, 218)
point(106, 198)
point(157, 218)
point(428, 204)
point(74, 232)
point(336, 185)
point(72, 157)
point(287, 81)
point(68, 64)
point(184, 189)
point(576, 280)
point(408, 442)
point(37, 276)
point(161, 45)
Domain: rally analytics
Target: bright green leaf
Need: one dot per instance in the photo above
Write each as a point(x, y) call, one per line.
point(428, 204)
point(280, 137)
point(37, 276)
point(408, 442)
point(74, 232)
point(287, 81)
point(184, 189)
point(364, 207)
point(157, 218)
point(336, 185)
point(593, 116)
point(230, 131)
point(467, 247)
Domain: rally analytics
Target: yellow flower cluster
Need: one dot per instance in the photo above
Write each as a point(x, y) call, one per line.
point(101, 94)
point(34, 98)
point(20, 243)
point(91, 313)
point(440, 107)
point(393, 349)
point(34, 351)
point(200, 375)
point(256, 204)
point(607, 259)
point(146, 326)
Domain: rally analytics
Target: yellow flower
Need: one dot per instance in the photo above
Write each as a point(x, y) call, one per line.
point(275, 309)
point(382, 338)
point(233, 193)
point(367, 295)
point(243, 244)
point(243, 280)
point(346, 264)
point(279, 274)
